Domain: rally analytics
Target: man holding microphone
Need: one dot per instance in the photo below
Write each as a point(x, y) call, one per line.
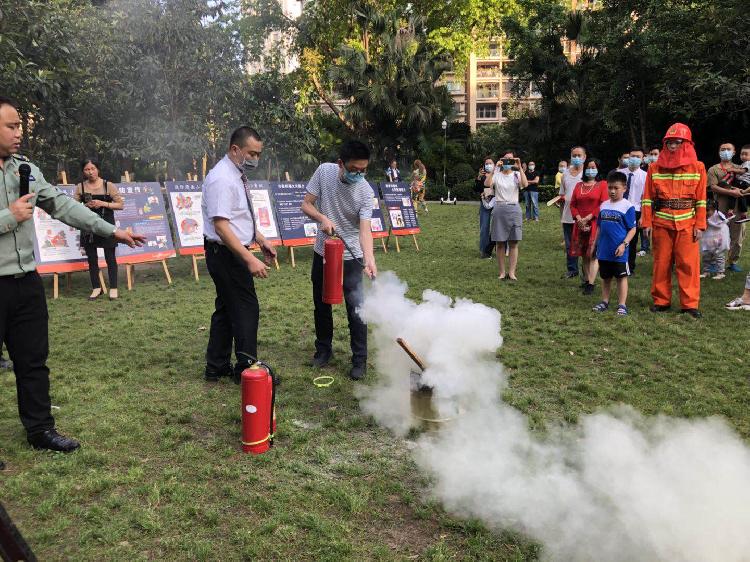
point(23, 306)
point(229, 230)
point(339, 199)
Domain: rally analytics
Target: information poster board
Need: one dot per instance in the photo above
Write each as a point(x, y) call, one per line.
point(185, 198)
point(265, 219)
point(297, 229)
point(56, 245)
point(144, 213)
point(377, 224)
point(401, 214)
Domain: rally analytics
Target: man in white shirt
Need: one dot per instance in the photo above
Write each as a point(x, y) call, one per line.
point(228, 231)
point(570, 177)
point(636, 181)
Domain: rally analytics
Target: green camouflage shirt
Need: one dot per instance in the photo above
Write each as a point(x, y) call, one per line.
point(17, 240)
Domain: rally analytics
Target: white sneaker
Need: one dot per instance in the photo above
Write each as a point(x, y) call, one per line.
point(737, 304)
point(718, 276)
point(704, 275)
point(641, 253)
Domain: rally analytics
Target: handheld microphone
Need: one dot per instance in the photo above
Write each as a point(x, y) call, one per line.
point(24, 170)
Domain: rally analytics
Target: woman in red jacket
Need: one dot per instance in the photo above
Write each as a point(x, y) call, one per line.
point(587, 197)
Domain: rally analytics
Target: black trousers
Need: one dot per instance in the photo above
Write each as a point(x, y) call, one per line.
point(633, 247)
point(353, 296)
point(23, 327)
point(237, 312)
point(109, 257)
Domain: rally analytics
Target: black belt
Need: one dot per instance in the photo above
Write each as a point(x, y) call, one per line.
point(674, 204)
point(16, 275)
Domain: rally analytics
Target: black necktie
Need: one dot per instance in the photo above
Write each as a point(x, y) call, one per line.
point(630, 180)
point(249, 204)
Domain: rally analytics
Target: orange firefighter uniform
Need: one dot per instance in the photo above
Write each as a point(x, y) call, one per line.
point(674, 207)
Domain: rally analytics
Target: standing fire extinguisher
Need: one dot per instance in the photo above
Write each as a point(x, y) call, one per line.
point(333, 270)
point(258, 407)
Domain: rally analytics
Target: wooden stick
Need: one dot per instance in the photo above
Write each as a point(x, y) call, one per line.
point(385, 249)
point(195, 268)
point(276, 261)
point(291, 256)
point(101, 282)
point(166, 272)
point(415, 241)
point(130, 274)
point(411, 353)
point(398, 248)
point(64, 177)
point(55, 286)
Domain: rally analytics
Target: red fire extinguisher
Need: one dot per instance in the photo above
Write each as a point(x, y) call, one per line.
point(258, 408)
point(333, 271)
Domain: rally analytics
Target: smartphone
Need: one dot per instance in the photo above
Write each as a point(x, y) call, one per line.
point(508, 161)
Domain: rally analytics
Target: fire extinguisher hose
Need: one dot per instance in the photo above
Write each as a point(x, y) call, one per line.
point(360, 261)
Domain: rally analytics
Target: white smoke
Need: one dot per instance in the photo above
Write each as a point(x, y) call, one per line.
point(617, 487)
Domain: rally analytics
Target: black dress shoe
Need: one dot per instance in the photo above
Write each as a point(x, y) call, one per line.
point(320, 360)
point(53, 441)
point(659, 307)
point(694, 312)
point(588, 289)
point(357, 372)
point(212, 375)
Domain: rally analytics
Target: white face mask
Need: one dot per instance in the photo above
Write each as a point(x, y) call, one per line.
point(531, 168)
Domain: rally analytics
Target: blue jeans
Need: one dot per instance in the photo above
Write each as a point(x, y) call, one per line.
point(572, 262)
point(485, 241)
point(532, 204)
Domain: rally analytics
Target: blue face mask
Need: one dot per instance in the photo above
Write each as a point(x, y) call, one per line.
point(591, 172)
point(634, 162)
point(507, 167)
point(489, 167)
point(726, 155)
point(352, 177)
point(576, 160)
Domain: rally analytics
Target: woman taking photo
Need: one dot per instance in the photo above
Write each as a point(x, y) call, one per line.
point(507, 217)
point(104, 199)
point(419, 185)
point(588, 195)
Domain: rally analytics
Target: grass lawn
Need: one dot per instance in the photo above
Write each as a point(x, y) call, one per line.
point(161, 475)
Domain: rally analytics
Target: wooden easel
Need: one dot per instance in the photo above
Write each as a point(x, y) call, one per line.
point(197, 257)
point(398, 247)
point(130, 272)
point(68, 283)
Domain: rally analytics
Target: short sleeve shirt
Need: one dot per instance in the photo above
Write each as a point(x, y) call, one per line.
point(567, 185)
point(224, 197)
point(532, 176)
point(344, 205)
point(615, 220)
point(506, 187)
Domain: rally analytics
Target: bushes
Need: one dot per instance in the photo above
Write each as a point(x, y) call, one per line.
point(547, 192)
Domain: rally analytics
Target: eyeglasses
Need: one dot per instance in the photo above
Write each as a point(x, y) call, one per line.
point(674, 142)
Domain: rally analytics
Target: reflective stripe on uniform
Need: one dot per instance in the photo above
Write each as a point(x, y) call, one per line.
point(700, 203)
point(676, 217)
point(646, 202)
point(676, 177)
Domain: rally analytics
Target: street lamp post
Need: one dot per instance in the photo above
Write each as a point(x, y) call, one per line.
point(448, 200)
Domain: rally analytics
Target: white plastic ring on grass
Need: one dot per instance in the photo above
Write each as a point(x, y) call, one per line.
point(324, 381)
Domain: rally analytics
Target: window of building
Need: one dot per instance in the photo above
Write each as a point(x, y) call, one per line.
point(459, 108)
point(495, 50)
point(488, 70)
point(486, 111)
point(489, 90)
point(455, 86)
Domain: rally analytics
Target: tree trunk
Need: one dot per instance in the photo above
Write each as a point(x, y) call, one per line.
point(329, 102)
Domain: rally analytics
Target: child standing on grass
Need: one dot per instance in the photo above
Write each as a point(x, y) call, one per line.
point(616, 230)
point(715, 243)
